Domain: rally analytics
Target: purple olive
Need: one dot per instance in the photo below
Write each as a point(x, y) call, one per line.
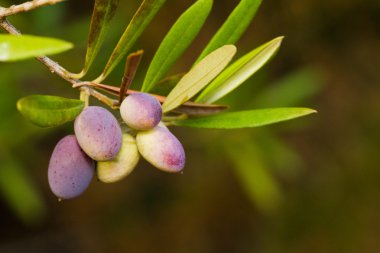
point(98, 133)
point(141, 111)
point(162, 149)
point(70, 169)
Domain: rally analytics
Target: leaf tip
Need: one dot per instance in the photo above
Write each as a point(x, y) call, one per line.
point(307, 111)
point(278, 41)
point(231, 48)
point(66, 45)
point(69, 45)
point(18, 105)
point(313, 111)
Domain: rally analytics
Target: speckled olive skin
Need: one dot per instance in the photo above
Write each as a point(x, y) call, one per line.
point(70, 169)
point(162, 149)
point(141, 111)
point(98, 133)
point(122, 165)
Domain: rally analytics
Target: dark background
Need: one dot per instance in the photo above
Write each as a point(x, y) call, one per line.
point(309, 185)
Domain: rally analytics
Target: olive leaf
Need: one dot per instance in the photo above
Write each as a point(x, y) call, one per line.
point(239, 72)
point(234, 27)
point(104, 11)
point(20, 47)
point(243, 119)
point(198, 77)
point(49, 111)
point(176, 42)
point(142, 18)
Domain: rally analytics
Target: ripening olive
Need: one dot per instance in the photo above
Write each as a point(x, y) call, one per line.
point(162, 149)
point(141, 111)
point(70, 169)
point(98, 133)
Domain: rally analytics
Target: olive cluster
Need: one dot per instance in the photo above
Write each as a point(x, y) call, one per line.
point(99, 145)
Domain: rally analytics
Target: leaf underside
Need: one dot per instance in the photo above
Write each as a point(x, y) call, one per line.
point(239, 72)
point(198, 77)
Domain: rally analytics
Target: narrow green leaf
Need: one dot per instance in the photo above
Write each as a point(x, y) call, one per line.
point(199, 76)
point(142, 18)
point(255, 176)
point(176, 42)
point(234, 27)
point(49, 111)
point(239, 72)
point(242, 119)
point(103, 12)
point(14, 47)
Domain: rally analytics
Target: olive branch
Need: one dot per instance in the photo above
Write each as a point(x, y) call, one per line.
point(187, 98)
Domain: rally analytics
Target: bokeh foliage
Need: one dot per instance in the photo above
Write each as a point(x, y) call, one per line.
point(322, 175)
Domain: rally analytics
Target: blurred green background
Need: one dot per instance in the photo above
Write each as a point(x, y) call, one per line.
point(309, 185)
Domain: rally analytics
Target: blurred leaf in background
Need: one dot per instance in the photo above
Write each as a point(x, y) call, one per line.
point(292, 90)
point(19, 190)
point(255, 176)
point(17, 186)
point(15, 48)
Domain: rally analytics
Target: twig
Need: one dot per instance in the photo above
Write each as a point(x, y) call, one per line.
point(53, 66)
point(57, 69)
point(113, 103)
point(190, 108)
point(27, 6)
